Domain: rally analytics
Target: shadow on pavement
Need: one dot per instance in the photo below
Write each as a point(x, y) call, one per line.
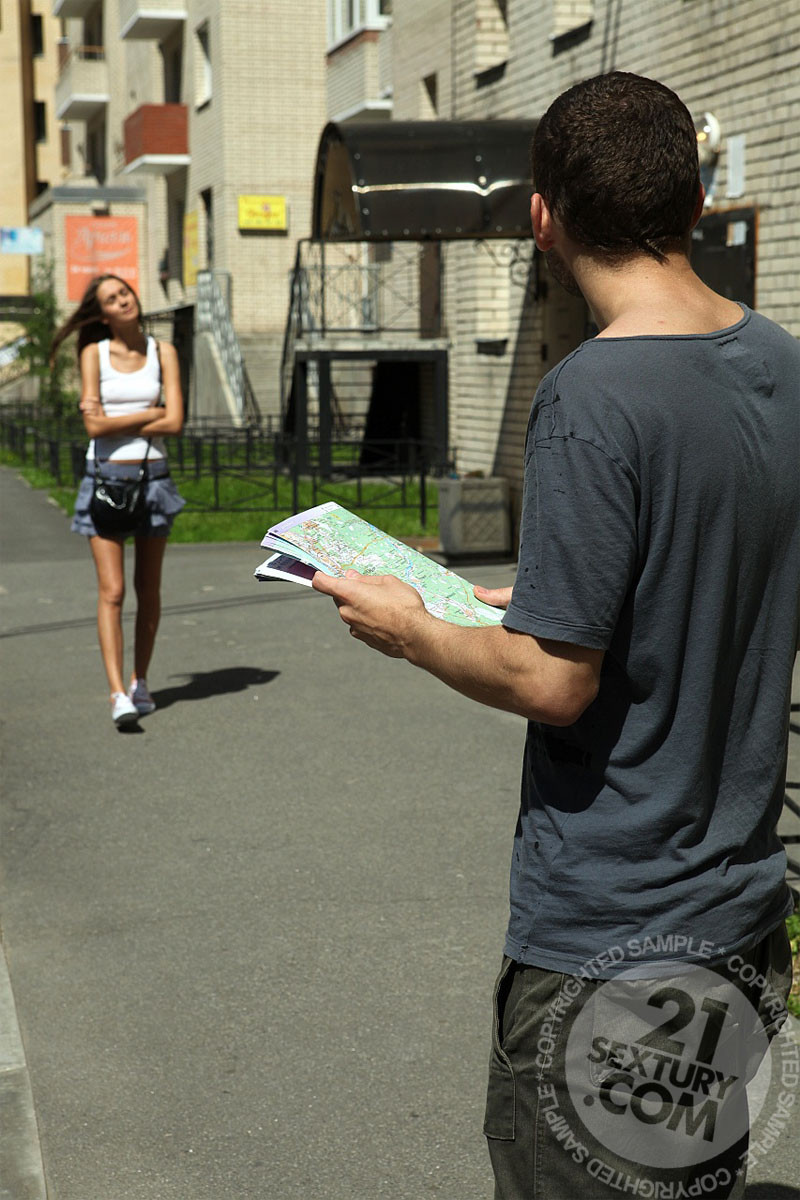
point(771, 1191)
point(201, 685)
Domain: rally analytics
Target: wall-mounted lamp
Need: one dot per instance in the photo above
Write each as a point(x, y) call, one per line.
point(709, 140)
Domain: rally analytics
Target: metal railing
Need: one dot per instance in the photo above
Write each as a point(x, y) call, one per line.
point(356, 288)
point(248, 469)
point(68, 52)
point(346, 289)
point(12, 365)
point(213, 314)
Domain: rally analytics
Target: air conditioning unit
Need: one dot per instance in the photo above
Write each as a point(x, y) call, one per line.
point(474, 516)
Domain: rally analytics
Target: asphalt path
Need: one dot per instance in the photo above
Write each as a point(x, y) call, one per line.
point(251, 944)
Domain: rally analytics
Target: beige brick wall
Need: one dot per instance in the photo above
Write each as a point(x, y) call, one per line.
point(272, 111)
point(257, 134)
point(421, 46)
point(13, 267)
point(352, 75)
point(569, 15)
point(740, 61)
point(45, 70)
point(491, 45)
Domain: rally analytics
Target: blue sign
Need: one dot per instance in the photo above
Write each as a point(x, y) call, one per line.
point(25, 239)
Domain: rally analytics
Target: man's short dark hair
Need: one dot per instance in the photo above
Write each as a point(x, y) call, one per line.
point(615, 158)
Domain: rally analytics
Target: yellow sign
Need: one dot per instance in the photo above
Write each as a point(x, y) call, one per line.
point(191, 249)
point(262, 212)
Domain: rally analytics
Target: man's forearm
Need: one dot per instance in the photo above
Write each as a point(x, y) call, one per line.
point(536, 679)
point(546, 681)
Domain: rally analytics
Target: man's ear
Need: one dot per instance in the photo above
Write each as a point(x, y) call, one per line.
point(698, 207)
point(541, 222)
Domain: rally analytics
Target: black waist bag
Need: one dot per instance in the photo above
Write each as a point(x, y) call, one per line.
point(118, 505)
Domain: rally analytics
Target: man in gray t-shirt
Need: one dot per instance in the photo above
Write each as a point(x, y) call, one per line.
point(660, 525)
point(649, 640)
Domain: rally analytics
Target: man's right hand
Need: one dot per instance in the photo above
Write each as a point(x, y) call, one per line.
point(497, 597)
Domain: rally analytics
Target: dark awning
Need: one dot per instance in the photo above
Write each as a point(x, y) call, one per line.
point(390, 181)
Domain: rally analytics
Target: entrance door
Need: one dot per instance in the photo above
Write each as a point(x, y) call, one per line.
point(724, 253)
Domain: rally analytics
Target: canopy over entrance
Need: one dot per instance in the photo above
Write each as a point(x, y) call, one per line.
point(416, 181)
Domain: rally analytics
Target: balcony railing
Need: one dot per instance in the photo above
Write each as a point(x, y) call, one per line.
point(152, 20)
point(344, 292)
point(82, 87)
point(156, 139)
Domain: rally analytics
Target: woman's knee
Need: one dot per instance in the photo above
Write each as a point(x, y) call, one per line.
point(112, 593)
point(148, 592)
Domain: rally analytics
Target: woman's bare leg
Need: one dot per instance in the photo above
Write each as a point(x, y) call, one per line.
point(147, 581)
point(109, 561)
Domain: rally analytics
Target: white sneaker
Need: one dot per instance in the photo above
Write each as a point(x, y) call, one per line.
point(140, 696)
point(124, 711)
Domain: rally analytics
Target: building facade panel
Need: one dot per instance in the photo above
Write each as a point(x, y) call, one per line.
point(739, 62)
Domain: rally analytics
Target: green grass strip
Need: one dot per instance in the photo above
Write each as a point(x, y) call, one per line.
point(258, 504)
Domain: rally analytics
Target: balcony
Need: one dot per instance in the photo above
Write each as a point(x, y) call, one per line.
point(156, 139)
point(72, 8)
point(152, 20)
point(82, 88)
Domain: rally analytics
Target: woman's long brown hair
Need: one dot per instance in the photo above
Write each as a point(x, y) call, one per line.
point(87, 319)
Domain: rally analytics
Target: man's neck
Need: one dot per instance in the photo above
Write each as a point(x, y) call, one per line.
point(642, 296)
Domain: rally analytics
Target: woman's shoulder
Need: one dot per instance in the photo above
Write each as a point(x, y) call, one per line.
point(163, 349)
point(91, 351)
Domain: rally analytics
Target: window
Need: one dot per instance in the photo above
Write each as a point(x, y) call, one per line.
point(37, 35)
point(66, 146)
point(96, 151)
point(208, 212)
point(93, 33)
point(569, 16)
point(176, 235)
point(203, 76)
point(430, 90)
point(491, 41)
point(347, 17)
point(40, 120)
point(173, 74)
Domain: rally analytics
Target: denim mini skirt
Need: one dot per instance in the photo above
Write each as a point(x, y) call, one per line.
point(163, 501)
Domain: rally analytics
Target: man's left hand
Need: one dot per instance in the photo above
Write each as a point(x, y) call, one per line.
point(381, 610)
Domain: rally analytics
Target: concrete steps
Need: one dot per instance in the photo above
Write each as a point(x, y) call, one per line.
point(262, 358)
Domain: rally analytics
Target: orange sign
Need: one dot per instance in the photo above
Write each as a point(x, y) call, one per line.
point(101, 245)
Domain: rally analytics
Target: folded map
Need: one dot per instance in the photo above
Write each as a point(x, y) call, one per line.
point(329, 538)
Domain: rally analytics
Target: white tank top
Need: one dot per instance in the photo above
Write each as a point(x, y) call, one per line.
point(122, 393)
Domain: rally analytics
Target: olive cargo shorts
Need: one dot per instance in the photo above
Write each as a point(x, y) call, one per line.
point(635, 1087)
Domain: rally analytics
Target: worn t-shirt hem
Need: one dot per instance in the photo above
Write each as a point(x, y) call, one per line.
point(594, 637)
point(548, 960)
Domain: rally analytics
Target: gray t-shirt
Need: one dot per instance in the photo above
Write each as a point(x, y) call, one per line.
point(660, 523)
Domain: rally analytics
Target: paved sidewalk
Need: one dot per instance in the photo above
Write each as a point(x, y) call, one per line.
point(251, 945)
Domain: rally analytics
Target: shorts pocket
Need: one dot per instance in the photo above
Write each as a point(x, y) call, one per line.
point(499, 1121)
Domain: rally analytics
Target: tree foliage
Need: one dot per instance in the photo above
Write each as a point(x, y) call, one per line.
point(40, 324)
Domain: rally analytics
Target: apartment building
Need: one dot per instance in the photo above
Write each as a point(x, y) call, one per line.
point(737, 67)
point(190, 130)
point(31, 144)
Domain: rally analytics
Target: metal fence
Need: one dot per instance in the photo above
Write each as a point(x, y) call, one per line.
point(246, 470)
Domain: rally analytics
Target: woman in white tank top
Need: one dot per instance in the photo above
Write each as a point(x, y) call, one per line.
point(123, 376)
